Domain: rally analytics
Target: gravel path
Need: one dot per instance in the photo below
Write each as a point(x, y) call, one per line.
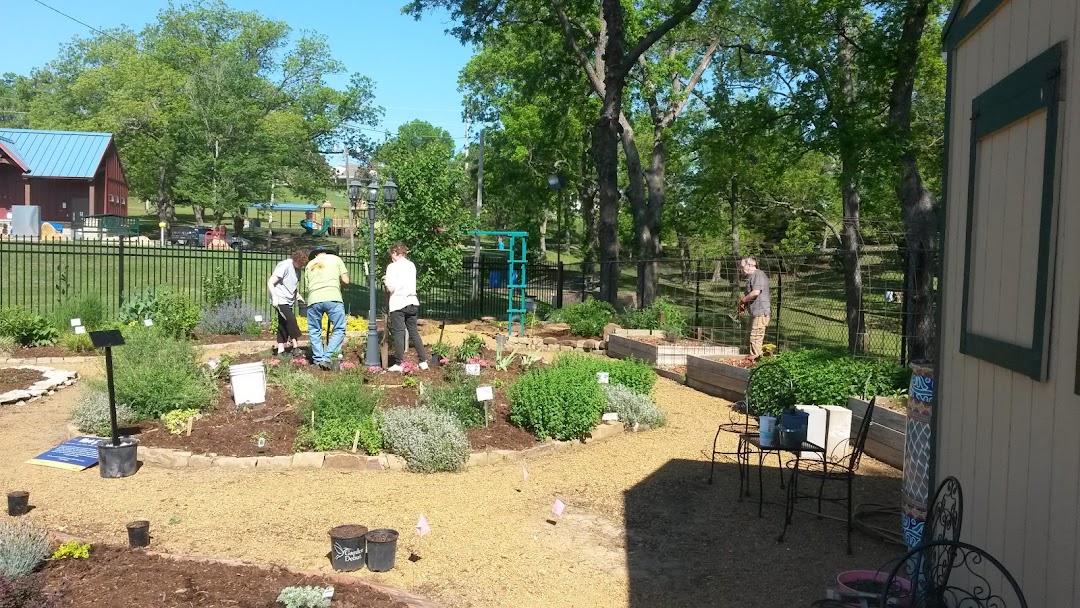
point(641, 526)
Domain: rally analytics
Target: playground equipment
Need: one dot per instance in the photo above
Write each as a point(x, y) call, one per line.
point(516, 298)
point(313, 229)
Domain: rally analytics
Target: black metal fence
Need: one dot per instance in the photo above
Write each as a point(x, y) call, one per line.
point(807, 290)
point(40, 275)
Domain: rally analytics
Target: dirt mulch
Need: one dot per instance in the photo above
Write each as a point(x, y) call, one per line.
point(661, 341)
point(38, 352)
point(13, 379)
point(229, 431)
point(135, 578)
point(227, 338)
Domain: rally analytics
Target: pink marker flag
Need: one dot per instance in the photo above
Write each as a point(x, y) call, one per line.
point(524, 473)
point(422, 526)
point(558, 507)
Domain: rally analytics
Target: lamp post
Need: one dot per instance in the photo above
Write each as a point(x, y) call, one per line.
point(555, 182)
point(368, 193)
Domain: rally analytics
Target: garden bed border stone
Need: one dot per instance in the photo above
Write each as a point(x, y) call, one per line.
point(55, 379)
point(348, 461)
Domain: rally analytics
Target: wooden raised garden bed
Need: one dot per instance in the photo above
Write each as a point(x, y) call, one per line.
point(712, 376)
point(888, 432)
point(651, 347)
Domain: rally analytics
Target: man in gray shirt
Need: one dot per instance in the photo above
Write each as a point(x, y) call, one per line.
point(756, 299)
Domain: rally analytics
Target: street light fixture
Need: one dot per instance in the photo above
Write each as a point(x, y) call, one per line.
point(370, 192)
point(555, 182)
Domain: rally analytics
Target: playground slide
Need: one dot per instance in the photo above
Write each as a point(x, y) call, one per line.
point(309, 227)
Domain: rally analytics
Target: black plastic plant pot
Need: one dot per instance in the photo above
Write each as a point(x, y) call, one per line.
point(347, 550)
point(118, 460)
point(18, 503)
point(139, 534)
point(381, 549)
point(436, 362)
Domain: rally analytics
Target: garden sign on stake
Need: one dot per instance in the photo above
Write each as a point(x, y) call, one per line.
point(116, 459)
point(485, 395)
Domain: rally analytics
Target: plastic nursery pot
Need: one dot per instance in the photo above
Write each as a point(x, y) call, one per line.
point(18, 503)
point(347, 550)
point(381, 549)
point(138, 534)
point(871, 581)
point(118, 460)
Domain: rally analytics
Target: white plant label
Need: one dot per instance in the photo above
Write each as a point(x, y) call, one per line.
point(602, 377)
point(76, 322)
point(148, 322)
point(610, 417)
point(328, 593)
point(472, 369)
point(79, 329)
point(262, 442)
point(484, 393)
point(258, 318)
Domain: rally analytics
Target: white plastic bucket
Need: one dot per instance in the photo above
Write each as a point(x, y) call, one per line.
point(248, 383)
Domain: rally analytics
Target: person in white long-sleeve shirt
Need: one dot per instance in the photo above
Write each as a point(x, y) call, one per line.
point(400, 283)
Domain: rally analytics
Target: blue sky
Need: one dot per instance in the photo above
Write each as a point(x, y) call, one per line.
point(414, 64)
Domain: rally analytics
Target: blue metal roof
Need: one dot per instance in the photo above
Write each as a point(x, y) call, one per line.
point(285, 206)
point(59, 153)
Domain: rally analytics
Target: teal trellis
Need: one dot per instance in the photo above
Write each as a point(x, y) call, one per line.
point(515, 305)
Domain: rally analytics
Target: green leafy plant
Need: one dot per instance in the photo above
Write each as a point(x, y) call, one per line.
point(635, 375)
point(72, 550)
point(27, 329)
point(503, 363)
point(563, 402)
point(662, 314)
point(530, 359)
point(297, 383)
point(88, 308)
point(441, 350)
point(156, 373)
point(471, 347)
point(826, 377)
point(303, 597)
point(771, 390)
point(341, 407)
point(458, 399)
point(7, 346)
point(531, 320)
point(586, 318)
point(23, 547)
point(633, 409)
point(371, 437)
point(174, 313)
point(91, 413)
point(77, 343)
point(429, 440)
point(409, 382)
point(176, 421)
point(219, 287)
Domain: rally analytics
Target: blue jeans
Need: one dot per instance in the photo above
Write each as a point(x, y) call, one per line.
point(336, 312)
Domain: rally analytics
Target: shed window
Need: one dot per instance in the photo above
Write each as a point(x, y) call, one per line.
point(1008, 265)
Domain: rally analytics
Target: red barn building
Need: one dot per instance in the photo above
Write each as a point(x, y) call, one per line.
point(66, 173)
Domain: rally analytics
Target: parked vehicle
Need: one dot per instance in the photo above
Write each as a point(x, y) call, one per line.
point(192, 236)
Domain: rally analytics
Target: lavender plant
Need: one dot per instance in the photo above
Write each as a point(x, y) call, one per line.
point(23, 547)
point(231, 317)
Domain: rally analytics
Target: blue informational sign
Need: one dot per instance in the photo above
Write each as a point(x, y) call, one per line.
point(74, 454)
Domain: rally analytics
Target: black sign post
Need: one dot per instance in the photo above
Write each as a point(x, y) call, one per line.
point(107, 340)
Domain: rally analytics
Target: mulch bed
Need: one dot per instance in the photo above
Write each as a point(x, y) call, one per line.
point(661, 341)
point(49, 351)
point(227, 431)
point(227, 338)
point(134, 578)
point(18, 379)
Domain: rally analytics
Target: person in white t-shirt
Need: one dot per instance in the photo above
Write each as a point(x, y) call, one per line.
point(282, 285)
point(400, 283)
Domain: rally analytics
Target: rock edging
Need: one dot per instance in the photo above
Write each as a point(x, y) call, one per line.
point(55, 379)
point(347, 461)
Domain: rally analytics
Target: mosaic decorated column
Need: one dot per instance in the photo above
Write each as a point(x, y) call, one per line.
point(916, 489)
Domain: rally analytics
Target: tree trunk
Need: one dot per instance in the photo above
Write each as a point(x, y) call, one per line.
point(646, 216)
point(733, 202)
point(198, 210)
point(849, 188)
point(238, 223)
point(918, 203)
point(588, 217)
point(166, 210)
point(606, 150)
point(543, 234)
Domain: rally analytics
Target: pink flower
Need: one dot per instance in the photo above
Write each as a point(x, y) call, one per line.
point(298, 361)
point(479, 361)
point(348, 365)
point(273, 362)
point(443, 360)
point(374, 369)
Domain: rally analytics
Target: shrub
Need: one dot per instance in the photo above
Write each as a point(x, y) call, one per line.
point(441, 350)
point(635, 375)
point(7, 346)
point(27, 329)
point(176, 421)
point(23, 547)
point(471, 347)
point(77, 343)
point(91, 413)
point(174, 313)
point(564, 402)
point(88, 308)
point(633, 409)
point(661, 314)
point(219, 287)
point(297, 383)
point(429, 440)
point(156, 373)
point(342, 407)
point(458, 399)
point(231, 317)
point(352, 323)
point(303, 597)
point(586, 318)
point(772, 390)
point(72, 550)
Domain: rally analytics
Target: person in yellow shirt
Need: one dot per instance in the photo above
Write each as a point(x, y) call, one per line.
point(321, 285)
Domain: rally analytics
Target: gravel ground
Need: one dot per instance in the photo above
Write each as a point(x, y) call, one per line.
point(641, 526)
